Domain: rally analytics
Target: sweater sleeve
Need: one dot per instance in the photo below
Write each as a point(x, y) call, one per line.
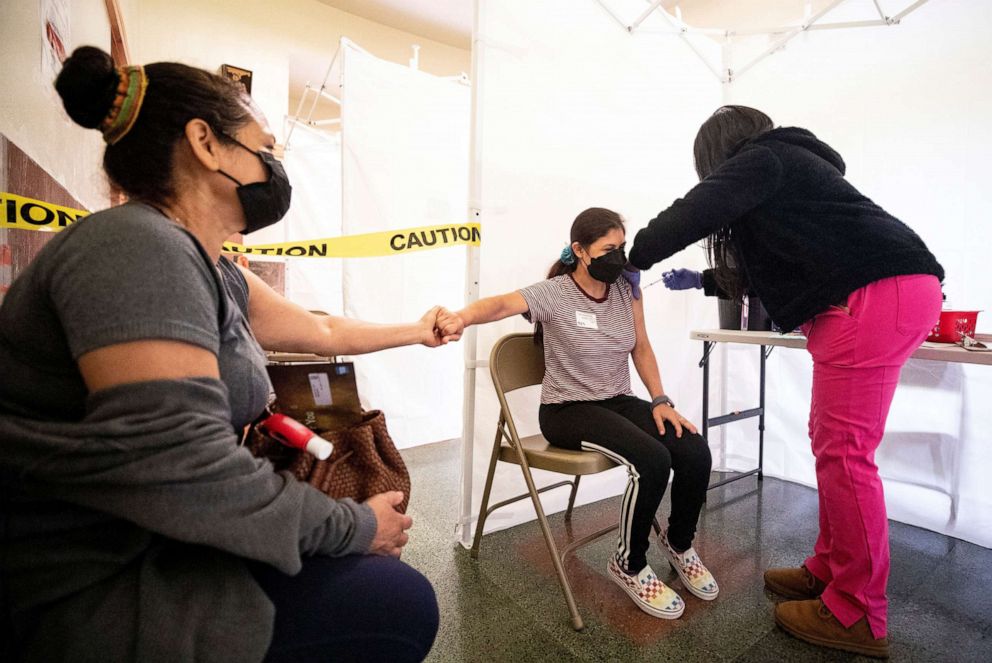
point(710, 286)
point(742, 183)
point(131, 274)
point(162, 455)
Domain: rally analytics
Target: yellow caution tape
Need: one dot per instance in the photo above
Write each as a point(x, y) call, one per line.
point(29, 214)
point(390, 243)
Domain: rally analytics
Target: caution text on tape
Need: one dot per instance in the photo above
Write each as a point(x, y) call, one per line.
point(29, 214)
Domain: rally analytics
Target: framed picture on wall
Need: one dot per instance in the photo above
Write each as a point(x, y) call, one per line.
point(238, 75)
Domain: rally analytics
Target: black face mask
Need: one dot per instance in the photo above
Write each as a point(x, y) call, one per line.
point(607, 267)
point(263, 203)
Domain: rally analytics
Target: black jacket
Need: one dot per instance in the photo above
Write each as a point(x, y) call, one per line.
point(806, 237)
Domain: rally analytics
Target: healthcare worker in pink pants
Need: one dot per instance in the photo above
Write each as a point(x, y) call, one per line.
point(780, 220)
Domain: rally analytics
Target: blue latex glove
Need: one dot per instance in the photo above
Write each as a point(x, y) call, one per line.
point(683, 279)
point(633, 276)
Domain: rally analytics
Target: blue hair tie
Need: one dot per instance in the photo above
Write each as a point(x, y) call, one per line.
point(567, 255)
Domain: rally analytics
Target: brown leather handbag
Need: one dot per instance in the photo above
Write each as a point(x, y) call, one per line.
point(365, 461)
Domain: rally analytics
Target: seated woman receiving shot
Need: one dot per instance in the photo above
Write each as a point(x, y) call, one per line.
point(591, 321)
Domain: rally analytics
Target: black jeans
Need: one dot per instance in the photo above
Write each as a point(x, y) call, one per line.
point(357, 608)
point(623, 429)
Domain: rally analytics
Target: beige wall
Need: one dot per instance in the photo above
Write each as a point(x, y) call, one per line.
point(319, 26)
point(250, 34)
point(31, 114)
point(315, 42)
point(272, 39)
point(284, 43)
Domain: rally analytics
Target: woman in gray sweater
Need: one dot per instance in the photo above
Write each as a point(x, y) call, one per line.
point(133, 525)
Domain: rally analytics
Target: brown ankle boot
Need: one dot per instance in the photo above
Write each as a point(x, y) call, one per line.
point(796, 584)
point(813, 622)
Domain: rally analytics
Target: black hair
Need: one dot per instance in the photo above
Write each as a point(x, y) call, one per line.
point(141, 163)
point(720, 137)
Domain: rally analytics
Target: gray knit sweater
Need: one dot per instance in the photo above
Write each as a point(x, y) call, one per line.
point(128, 513)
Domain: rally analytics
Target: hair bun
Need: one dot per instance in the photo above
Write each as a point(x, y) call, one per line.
point(87, 84)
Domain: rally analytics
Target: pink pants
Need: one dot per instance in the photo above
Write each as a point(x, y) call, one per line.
point(857, 357)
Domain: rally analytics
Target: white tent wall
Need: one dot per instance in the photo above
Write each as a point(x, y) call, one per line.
point(908, 107)
point(405, 140)
point(574, 113)
point(313, 163)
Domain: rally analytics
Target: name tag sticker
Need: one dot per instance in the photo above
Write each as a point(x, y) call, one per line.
point(321, 388)
point(586, 320)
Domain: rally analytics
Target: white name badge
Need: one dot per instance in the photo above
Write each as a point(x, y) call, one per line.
point(586, 320)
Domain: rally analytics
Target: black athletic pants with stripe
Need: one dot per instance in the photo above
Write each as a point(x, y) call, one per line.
point(623, 429)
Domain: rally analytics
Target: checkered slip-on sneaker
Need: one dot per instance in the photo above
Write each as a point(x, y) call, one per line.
point(694, 575)
point(649, 594)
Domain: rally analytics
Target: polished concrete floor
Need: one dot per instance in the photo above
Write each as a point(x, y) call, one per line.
point(507, 606)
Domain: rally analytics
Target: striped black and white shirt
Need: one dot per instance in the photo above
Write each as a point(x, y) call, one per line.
point(586, 341)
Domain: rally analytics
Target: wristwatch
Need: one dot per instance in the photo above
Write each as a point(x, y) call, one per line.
point(662, 400)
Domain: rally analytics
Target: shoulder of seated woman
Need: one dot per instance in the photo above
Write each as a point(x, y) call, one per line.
point(136, 223)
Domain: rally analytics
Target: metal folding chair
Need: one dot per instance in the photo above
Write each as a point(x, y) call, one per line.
point(516, 362)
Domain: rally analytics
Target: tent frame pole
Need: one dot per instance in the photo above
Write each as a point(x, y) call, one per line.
point(785, 33)
point(472, 273)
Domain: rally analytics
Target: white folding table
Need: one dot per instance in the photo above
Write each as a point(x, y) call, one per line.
point(768, 341)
